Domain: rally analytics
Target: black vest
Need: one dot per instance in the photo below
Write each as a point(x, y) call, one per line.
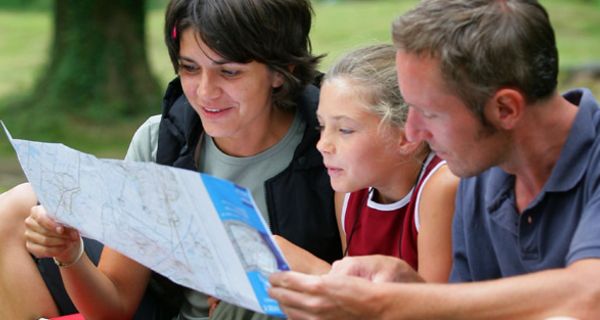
point(299, 199)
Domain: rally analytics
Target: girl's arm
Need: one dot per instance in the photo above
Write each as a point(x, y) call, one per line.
point(303, 261)
point(339, 206)
point(300, 259)
point(436, 210)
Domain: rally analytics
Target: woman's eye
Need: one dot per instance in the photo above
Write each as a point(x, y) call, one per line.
point(188, 68)
point(346, 131)
point(230, 73)
point(320, 128)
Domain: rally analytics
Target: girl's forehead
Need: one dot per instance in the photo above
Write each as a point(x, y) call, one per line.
point(342, 101)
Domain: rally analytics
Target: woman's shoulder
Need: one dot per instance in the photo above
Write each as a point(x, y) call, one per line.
point(144, 143)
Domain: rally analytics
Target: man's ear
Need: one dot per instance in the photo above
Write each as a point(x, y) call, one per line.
point(505, 108)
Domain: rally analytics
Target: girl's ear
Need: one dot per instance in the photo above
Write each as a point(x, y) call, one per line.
point(406, 147)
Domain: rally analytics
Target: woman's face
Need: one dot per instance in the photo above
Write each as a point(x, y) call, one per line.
point(232, 99)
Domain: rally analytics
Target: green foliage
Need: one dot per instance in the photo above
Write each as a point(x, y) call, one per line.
point(25, 5)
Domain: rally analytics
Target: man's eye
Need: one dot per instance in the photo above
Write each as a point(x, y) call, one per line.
point(428, 115)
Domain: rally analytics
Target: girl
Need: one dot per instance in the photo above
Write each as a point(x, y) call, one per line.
point(399, 196)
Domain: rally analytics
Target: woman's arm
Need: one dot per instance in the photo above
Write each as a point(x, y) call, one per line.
point(111, 291)
point(436, 209)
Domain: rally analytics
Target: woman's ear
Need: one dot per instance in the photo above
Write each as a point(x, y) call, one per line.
point(278, 80)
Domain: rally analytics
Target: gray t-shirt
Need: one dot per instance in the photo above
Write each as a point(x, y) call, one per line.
point(250, 172)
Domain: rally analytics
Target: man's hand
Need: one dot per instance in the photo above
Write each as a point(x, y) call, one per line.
point(304, 296)
point(376, 268)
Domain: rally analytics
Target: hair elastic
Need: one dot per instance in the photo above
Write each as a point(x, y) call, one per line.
point(174, 32)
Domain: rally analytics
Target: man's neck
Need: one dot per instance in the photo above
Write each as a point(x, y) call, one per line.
point(537, 146)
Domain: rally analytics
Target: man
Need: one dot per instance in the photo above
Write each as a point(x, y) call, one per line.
point(480, 77)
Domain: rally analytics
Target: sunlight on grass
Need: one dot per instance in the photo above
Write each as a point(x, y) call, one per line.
point(23, 42)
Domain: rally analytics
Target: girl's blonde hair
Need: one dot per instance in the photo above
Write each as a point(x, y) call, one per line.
point(372, 72)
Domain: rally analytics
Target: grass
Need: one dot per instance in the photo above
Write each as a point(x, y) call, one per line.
point(338, 27)
point(23, 45)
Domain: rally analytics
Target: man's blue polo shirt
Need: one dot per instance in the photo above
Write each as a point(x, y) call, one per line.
point(560, 226)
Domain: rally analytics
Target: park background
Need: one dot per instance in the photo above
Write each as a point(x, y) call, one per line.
point(27, 29)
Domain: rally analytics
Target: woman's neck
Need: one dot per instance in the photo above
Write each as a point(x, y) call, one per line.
point(260, 138)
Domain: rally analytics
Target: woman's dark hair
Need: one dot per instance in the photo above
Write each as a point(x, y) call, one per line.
point(272, 32)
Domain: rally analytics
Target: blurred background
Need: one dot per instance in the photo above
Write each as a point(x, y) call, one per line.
point(88, 73)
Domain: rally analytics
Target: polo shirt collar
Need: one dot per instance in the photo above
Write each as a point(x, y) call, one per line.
point(575, 153)
point(572, 162)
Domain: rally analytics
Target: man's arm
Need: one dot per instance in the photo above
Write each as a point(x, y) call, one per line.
point(573, 291)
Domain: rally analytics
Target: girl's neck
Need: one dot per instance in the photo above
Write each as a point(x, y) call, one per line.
point(399, 185)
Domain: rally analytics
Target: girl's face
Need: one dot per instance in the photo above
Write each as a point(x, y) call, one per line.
point(232, 99)
point(357, 151)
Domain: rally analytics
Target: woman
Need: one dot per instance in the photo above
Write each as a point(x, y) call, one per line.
point(242, 109)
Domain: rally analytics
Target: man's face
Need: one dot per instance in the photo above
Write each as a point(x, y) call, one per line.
point(441, 119)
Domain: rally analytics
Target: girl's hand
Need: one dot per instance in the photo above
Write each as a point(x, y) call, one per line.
point(45, 237)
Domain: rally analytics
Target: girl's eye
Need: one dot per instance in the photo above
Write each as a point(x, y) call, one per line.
point(346, 131)
point(320, 128)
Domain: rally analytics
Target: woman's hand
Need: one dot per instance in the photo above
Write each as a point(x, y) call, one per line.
point(45, 237)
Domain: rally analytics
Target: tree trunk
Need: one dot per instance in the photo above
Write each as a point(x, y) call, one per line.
point(98, 68)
